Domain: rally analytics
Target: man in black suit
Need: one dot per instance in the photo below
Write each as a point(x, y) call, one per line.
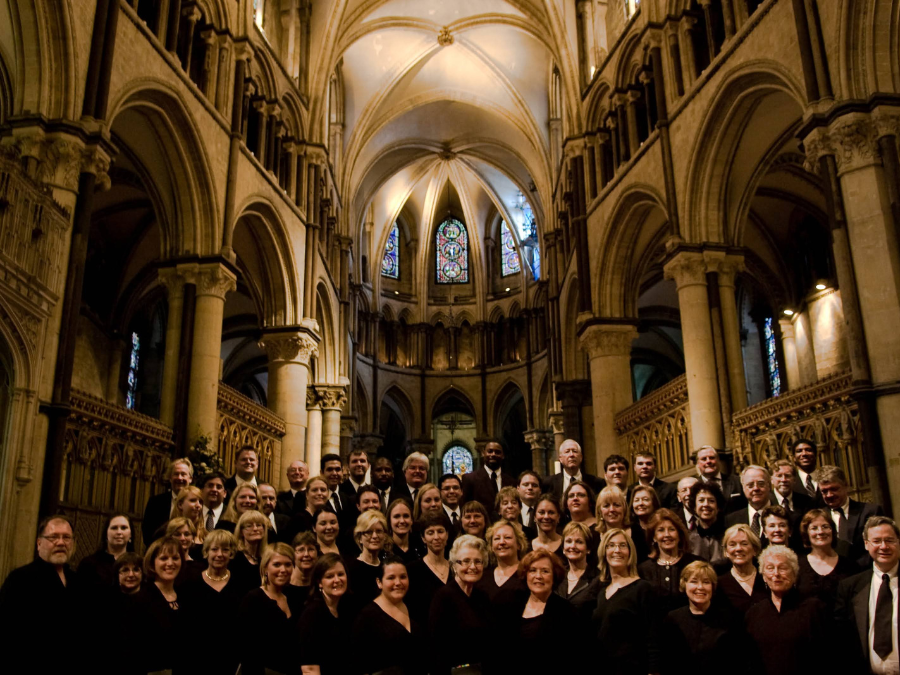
point(757, 487)
point(645, 470)
point(570, 460)
point(849, 516)
point(866, 610)
point(795, 503)
point(806, 456)
point(383, 480)
point(482, 485)
point(529, 489)
point(332, 471)
point(451, 498)
point(159, 507)
point(280, 523)
point(293, 500)
point(707, 461)
point(359, 467)
point(685, 509)
point(213, 489)
point(415, 474)
point(245, 464)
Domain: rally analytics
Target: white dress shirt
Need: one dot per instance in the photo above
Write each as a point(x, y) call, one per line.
point(497, 471)
point(837, 519)
point(802, 474)
point(272, 520)
point(890, 665)
point(450, 513)
point(784, 502)
point(240, 481)
point(527, 515)
point(567, 479)
point(217, 513)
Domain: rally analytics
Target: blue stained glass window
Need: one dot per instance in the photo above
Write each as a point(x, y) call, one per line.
point(390, 263)
point(452, 250)
point(772, 359)
point(131, 394)
point(524, 217)
point(509, 256)
point(457, 460)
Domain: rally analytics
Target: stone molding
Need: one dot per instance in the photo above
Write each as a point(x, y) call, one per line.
point(292, 347)
point(607, 340)
point(326, 396)
point(851, 139)
point(214, 279)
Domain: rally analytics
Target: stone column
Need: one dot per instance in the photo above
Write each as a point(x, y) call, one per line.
point(214, 281)
point(539, 440)
point(634, 141)
point(609, 348)
point(333, 398)
point(731, 332)
point(210, 64)
point(688, 269)
point(115, 370)
point(587, 35)
point(806, 355)
point(789, 348)
point(289, 354)
point(192, 15)
point(313, 430)
point(174, 283)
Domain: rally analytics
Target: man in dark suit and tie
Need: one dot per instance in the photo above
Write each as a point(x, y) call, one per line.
point(795, 503)
point(451, 496)
point(383, 480)
point(757, 487)
point(685, 508)
point(159, 507)
point(866, 609)
point(482, 485)
point(293, 501)
point(415, 473)
point(708, 470)
point(358, 461)
point(246, 462)
point(529, 489)
point(849, 515)
point(570, 460)
point(333, 472)
point(806, 456)
point(280, 523)
point(645, 470)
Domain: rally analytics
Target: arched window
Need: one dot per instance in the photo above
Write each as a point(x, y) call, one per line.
point(523, 216)
point(631, 6)
point(509, 256)
point(390, 263)
point(452, 251)
point(772, 359)
point(259, 11)
point(131, 394)
point(457, 460)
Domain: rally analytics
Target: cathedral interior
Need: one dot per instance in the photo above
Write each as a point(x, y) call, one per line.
point(313, 226)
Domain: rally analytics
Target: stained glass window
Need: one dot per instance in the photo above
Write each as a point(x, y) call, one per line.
point(457, 460)
point(509, 256)
point(524, 218)
point(772, 359)
point(452, 248)
point(390, 263)
point(131, 394)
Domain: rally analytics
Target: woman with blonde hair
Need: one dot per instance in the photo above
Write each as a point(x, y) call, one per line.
point(428, 499)
point(370, 534)
point(245, 498)
point(741, 587)
point(184, 531)
point(189, 504)
point(577, 587)
point(506, 545)
point(252, 536)
point(612, 510)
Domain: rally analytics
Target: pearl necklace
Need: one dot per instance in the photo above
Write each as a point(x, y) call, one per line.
point(212, 578)
point(744, 579)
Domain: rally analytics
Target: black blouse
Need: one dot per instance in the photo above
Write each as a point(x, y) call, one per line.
point(665, 580)
point(732, 596)
point(423, 585)
point(323, 637)
point(625, 629)
point(207, 612)
point(702, 644)
point(363, 578)
point(553, 628)
point(96, 571)
point(155, 620)
point(380, 642)
point(639, 537)
point(583, 596)
point(244, 574)
point(458, 624)
point(811, 584)
point(502, 593)
point(278, 632)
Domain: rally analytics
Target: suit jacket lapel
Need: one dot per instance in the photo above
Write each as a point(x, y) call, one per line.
point(861, 612)
point(855, 509)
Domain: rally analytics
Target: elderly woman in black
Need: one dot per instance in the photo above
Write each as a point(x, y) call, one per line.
point(432, 572)
point(790, 634)
point(578, 585)
point(668, 557)
point(272, 610)
point(386, 638)
point(507, 544)
point(96, 570)
point(461, 610)
point(625, 614)
point(326, 621)
point(822, 569)
point(742, 586)
point(706, 538)
point(700, 638)
point(306, 552)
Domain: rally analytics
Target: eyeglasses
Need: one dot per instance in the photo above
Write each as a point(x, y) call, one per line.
point(470, 563)
point(374, 533)
point(617, 547)
point(64, 538)
point(756, 483)
point(889, 541)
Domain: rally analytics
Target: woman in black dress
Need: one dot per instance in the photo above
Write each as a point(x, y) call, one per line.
point(790, 633)
point(669, 556)
point(408, 545)
point(706, 538)
point(96, 570)
point(822, 569)
point(385, 635)
point(326, 621)
point(428, 500)
point(251, 535)
point(625, 614)
point(506, 543)
point(317, 492)
point(327, 528)
point(129, 571)
point(644, 503)
point(579, 504)
point(183, 530)
point(474, 519)
point(742, 586)
point(547, 516)
point(431, 573)
point(273, 610)
point(460, 615)
point(306, 553)
point(578, 586)
point(700, 638)
point(612, 510)
point(370, 534)
point(117, 605)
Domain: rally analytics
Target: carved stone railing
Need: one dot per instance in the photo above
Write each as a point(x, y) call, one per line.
point(242, 422)
point(114, 460)
point(660, 423)
point(824, 412)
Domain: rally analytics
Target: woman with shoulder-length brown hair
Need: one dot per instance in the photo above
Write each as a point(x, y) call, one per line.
point(245, 498)
point(669, 555)
point(742, 586)
point(822, 569)
point(506, 545)
point(579, 586)
point(644, 503)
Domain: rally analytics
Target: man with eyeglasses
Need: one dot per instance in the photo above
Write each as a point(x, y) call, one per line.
point(757, 486)
point(45, 590)
point(867, 603)
point(415, 475)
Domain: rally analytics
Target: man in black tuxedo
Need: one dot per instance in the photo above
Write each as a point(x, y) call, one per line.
point(707, 462)
point(280, 523)
point(685, 508)
point(451, 498)
point(529, 489)
point(806, 457)
point(159, 507)
point(757, 486)
point(849, 515)
point(795, 503)
point(482, 485)
point(293, 501)
point(570, 460)
point(415, 474)
point(866, 610)
point(246, 462)
point(213, 488)
point(645, 470)
point(383, 480)
point(358, 462)
point(332, 471)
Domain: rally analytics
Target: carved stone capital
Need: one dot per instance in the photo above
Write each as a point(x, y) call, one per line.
point(215, 279)
point(313, 400)
point(368, 443)
point(174, 280)
point(557, 421)
point(538, 439)
point(331, 396)
point(687, 268)
point(607, 339)
point(292, 347)
point(316, 155)
point(728, 268)
point(851, 139)
point(787, 329)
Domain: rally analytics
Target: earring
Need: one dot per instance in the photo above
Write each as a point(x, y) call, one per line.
point(265, 579)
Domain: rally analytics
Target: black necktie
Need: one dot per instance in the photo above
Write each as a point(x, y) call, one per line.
point(526, 515)
point(755, 525)
point(336, 501)
point(455, 518)
point(210, 520)
point(415, 493)
point(883, 643)
point(810, 488)
point(843, 526)
point(383, 499)
point(494, 482)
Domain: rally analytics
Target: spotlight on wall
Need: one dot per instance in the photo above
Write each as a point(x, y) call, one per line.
point(821, 287)
point(789, 312)
point(507, 289)
point(396, 292)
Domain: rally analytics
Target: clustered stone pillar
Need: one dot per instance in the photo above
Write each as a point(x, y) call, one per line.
point(313, 429)
point(174, 282)
point(333, 399)
point(289, 354)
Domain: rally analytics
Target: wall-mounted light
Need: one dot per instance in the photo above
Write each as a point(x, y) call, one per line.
point(507, 289)
point(396, 292)
point(821, 287)
point(789, 312)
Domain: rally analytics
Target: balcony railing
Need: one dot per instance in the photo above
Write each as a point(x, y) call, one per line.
point(824, 412)
point(659, 424)
point(242, 422)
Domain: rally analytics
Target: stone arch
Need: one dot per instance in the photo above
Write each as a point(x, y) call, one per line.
point(327, 361)
point(574, 362)
point(755, 111)
point(869, 55)
point(397, 400)
point(361, 406)
point(266, 257)
point(150, 122)
point(509, 390)
point(452, 396)
point(7, 93)
point(598, 104)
